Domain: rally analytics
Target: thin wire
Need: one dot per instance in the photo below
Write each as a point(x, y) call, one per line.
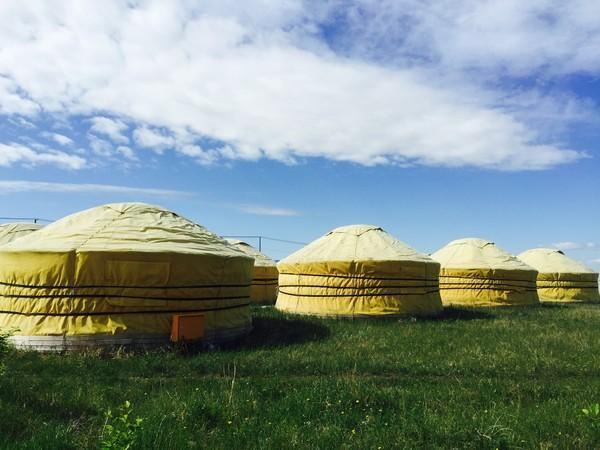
point(34, 219)
point(267, 238)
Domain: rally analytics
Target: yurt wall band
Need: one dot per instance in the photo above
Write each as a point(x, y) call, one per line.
point(358, 270)
point(264, 281)
point(264, 285)
point(561, 278)
point(117, 274)
point(475, 272)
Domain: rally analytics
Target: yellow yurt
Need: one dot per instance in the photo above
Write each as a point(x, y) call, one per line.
point(561, 278)
point(11, 231)
point(264, 281)
point(475, 272)
point(358, 270)
point(116, 275)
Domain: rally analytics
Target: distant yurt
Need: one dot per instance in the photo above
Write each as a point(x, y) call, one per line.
point(264, 281)
point(475, 272)
point(358, 271)
point(561, 278)
point(118, 274)
point(11, 231)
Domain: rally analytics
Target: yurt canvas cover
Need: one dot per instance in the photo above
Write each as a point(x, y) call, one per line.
point(358, 270)
point(264, 281)
point(561, 278)
point(475, 272)
point(11, 231)
point(116, 274)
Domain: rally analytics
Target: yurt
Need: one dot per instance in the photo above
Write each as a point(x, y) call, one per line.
point(11, 231)
point(475, 272)
point(119, 274)
point(264, 281)
point(561, 278)
point(358, 271)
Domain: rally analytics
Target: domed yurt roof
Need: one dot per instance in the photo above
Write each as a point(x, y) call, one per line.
point(117, 274)
point(355, 243)
point(358, 270)
point(127, 226)
point(264, 281)
point(561, 278)
point(475, 272)
point(260, 259)
point(11, 231)
point(552, 260)
point(471, 253)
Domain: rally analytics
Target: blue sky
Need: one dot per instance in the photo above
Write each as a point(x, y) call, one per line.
point(289, 118)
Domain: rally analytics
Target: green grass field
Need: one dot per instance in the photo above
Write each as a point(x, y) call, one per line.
point(496, 378)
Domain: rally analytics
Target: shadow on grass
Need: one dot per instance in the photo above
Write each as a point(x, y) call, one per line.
point(267, 332)
point(567, 305)
point(271, 332)
point(452, 313)
point(449, 313)
point(557, 305)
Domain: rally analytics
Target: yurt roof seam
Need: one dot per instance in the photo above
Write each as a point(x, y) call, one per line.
point(15, 231)
point(347, 229)
point(109, 222)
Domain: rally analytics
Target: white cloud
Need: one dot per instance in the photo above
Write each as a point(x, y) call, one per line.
point(59, 138)
point(7, 187)
point(12, 102)
point(127, 152)
point(511, 36)
point(255, 79)
point(11, 154)
point(568, 245)
point(100, 147)
point(21, 122)
point(201, 156)
point(267, 210)
point(155, 140)
point(113, 128)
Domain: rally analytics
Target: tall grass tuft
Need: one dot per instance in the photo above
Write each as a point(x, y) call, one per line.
point(120, 430)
